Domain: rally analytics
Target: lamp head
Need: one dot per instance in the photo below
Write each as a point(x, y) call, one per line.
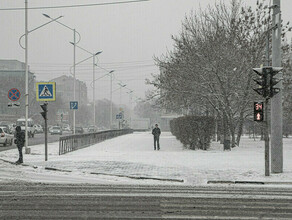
point(99, 52)
point(46, 15)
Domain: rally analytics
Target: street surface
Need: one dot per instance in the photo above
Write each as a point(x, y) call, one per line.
point(38, 139)
point(46, 201)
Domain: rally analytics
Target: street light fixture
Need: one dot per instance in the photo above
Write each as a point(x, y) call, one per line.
point(107, 74)
point(74, 59)
point(93, 55)
point(111, 95)
point(121, 86)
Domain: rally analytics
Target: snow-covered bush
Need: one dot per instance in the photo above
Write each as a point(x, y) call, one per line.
point(194, 132)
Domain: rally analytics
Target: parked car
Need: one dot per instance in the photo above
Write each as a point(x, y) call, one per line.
point(30, 126)
point(8, 125)
point(5, 137)
point(79, 130)
point(66, 128)
point(38, 129)
point(92, 128)
point(56, 130)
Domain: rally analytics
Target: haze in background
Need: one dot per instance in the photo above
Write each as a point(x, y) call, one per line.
point(128, 34)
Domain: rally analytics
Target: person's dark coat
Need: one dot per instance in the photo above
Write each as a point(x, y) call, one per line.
point(19, 137)
point(156, 132)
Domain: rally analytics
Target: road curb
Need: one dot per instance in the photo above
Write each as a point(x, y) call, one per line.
point(107, 174)
point(247, 182)
point(21, 164)
point(56, 169)
point(140, 177)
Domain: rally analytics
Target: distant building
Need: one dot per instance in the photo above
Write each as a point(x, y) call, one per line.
point(64, 89)
point(12, 75)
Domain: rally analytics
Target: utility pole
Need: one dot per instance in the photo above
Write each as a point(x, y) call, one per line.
point(266, 107)
point(27, 150)
point(74, 79)
point(93, 95)
point(276, 101)
point(111, 100)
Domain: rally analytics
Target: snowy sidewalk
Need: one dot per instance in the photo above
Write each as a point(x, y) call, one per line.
point(132, 155)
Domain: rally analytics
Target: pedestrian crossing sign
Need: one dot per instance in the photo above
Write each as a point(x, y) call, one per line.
point(46, 91)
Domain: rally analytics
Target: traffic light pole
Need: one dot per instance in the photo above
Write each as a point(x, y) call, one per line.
point(46, 138)
point(266, 115)
point(276, 101)
point(267, 146)
point(45, 116)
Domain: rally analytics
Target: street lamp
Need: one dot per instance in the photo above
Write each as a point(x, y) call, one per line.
point(121, 86)
point(111, 95)
point(26, 66)
point(130, 98)
point(93, 55)
point(74, 58)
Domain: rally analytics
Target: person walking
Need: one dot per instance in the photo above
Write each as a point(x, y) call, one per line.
point(19, 141)
point(156, 133)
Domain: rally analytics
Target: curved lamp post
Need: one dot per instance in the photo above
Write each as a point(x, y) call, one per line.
point(93, 55)
point(26, 65)
point(74, 59)
point(111, 95)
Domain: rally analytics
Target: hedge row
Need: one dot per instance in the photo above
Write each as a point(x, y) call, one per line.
point(194, 132)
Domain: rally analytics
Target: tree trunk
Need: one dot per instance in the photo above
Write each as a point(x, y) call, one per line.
point(240, 129)
point(226, 134)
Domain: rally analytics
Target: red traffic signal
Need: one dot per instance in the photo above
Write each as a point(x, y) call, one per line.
point(258, 111)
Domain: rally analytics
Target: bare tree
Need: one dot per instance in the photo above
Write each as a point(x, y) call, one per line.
point(211, 64)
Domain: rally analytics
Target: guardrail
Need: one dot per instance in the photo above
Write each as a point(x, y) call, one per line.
point(78, 141)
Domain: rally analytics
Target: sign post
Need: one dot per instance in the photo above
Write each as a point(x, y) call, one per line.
point(45, 91)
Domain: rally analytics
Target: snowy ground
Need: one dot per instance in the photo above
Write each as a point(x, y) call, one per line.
point(124, 158)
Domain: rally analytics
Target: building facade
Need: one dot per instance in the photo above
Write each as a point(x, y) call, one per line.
point(12, 75)
point(65, 94)
point(65, 90)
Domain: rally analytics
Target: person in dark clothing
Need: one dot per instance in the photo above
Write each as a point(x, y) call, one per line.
point(19, 141)
point(156, 133)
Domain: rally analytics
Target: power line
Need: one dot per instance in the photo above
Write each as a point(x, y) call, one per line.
point(100, 63)
point(74, 6)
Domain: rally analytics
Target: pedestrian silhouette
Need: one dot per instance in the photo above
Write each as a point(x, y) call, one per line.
point(156, 133)
point(19, 141)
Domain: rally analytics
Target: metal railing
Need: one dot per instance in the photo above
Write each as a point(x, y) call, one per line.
point(79, 141)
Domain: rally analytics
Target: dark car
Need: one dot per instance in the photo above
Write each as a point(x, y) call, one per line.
point(56, 130)
point(79, 130)
point(92, 128)
point(5, 137)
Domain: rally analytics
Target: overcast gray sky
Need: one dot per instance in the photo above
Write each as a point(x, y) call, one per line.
point(128, 34)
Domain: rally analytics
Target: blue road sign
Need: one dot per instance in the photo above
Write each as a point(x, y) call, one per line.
point(74, 105)
point(46, 91)
point(119, 116)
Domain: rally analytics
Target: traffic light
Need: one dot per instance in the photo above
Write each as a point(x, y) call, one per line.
point(274, 81)
point(262, 81)
point(258, 111)
point(267, 81)
point(45, 110)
